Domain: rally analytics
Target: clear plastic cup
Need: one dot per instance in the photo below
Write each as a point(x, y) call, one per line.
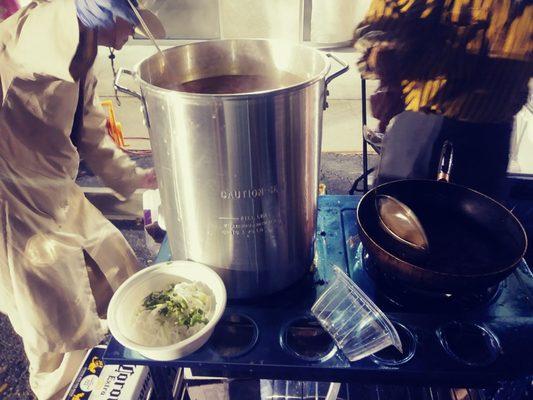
point(354, 322)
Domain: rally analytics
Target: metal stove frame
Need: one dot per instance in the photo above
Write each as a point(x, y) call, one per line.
point(336, 244)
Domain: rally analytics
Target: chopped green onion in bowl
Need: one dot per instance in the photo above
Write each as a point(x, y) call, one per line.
point(172, 314)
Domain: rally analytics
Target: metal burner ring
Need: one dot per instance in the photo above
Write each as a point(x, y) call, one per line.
point(469, 343)
point(304, 338)
point(234, 336)
point(392, 357)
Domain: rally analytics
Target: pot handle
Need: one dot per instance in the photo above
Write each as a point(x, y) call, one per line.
point(445, 162)
point(125, 90)
point(341, 71)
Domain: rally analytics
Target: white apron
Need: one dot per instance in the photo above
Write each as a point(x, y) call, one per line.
point(45, 221)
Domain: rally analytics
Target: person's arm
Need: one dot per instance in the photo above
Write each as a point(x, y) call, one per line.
point(408, 41)
point(428, 39)
point(101, 154)
point(402, 40)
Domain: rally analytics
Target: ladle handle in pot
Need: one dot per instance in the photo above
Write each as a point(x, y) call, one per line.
point(130, 92)
point(341, 71)
point(445, 162)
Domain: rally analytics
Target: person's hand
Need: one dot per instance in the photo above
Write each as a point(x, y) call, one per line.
point(386, 103)
point(382, 59)
point(148, 179)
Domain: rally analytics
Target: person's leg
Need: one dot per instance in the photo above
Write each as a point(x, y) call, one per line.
point(409, 148)
point(52, 373)
point(100, 287)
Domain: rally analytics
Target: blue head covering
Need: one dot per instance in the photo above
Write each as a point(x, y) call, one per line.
point(102, 13)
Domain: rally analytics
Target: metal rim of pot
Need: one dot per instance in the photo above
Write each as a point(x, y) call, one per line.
point(319, 76)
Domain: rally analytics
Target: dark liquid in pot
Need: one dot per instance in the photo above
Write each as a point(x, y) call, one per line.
point(231, 84)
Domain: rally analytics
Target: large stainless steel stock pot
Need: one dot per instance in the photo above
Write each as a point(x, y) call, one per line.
point(235, 129)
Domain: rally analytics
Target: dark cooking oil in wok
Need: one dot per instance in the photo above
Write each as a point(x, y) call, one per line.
point(459, 245)
point(466, 235)
point(231, 84)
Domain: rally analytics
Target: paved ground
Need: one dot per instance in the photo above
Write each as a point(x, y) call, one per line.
point(13, 364)
point(338, 172)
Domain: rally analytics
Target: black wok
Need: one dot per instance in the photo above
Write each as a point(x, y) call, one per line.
point(475, 242)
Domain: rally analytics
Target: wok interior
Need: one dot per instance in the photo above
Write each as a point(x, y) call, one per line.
point(468, 233)
point(274, 65)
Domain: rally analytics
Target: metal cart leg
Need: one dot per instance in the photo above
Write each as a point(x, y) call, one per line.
point(365, 145)
point(163, 379)
point(366, 170)
point(333, 391)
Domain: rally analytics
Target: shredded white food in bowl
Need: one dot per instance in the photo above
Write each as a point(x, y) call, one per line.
point(171, 315)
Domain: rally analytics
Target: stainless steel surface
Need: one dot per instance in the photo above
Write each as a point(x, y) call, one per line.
point(124, 89)
point(238, 173)
point(318, 23)
point(272, 19)
point(187, 19)
point(399, 221)
point(132, 93)
point(336, 74)
point(322, 24)
point(329, 23)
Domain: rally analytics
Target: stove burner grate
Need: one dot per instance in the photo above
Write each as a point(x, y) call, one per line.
point(402, 296)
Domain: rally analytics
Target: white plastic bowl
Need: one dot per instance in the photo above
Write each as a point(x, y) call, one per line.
point(157, 277)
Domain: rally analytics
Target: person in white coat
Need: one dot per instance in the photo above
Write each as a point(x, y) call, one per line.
point(60, 259)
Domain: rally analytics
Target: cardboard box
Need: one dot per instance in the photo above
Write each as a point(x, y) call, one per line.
point(97, 381)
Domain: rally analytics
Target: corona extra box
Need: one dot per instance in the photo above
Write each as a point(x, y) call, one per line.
point(97, 381)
